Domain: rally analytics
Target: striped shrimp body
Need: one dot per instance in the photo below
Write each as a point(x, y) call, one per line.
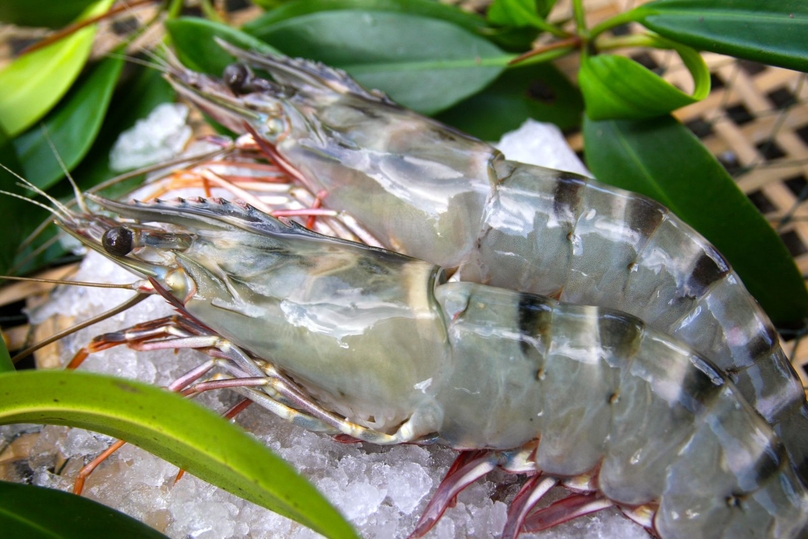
point(381, 348)
point(429, 191)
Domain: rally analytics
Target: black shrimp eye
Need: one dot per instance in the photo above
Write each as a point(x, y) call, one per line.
point(118, 241)
point(236, 76)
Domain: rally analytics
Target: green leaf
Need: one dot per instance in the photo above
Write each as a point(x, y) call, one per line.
point(519, 12)
point(14, 229)
point(662, 159)
point(540, 92)
point(197, 50)
point(767, 31)
point(33, 83)
point(18, 218)
point(41, 12)
point(5, 361)
point(175, 429)
point(517, 39)
point(136, 96)
point(425, 8)
point(71, 127)
point(544, 7)
point(43, 513)
point(269, 4)
point(616, 87)
point(387, 50)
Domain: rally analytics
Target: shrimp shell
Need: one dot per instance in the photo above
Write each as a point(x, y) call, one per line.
point(538, 385)
point(430, 191)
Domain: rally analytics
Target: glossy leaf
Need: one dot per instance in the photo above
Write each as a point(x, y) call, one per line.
point(517, 39)
point(71, 127)
point(18, 218)
point(136, 96)
point(33, 83)
point(616, 87)
point(189, 436)
point(5, 360)
point(426, 8)
point(269, 4)
point(771, 32)
point(662, 159)
point(42, 12)
point(197, 50)
point(388, 51)
point(43, 513)
point(540, 92)
point(519, 12)
point(11, 208)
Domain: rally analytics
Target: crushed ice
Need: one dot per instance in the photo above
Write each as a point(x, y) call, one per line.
point(159, 137)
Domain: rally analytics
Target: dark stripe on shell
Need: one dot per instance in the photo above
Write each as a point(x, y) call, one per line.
point(644, 215)
point(700, 385)
point(619, 334)
point(762, 343)
point(567, 198)
point(533, 314)
point(709, 268)
point(770, 462)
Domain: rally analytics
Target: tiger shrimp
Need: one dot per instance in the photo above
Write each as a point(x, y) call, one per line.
point(432, 192)
point(377, 346)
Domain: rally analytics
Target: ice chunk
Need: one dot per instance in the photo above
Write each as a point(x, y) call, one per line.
point(541, 144)
point(159, 137)
point(408, 487)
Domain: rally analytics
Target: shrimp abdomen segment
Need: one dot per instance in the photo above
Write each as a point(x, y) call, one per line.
point(558, 234)
point(604, 394)
point(499, 351)
point(739, 480)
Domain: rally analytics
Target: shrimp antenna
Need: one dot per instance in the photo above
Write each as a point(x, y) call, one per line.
point(172, 60)
point(87, 323)
point(76, 190)
point(37, 190)
point(139, 61)
point(125, 286)
point(158, 60)
point(37, 203)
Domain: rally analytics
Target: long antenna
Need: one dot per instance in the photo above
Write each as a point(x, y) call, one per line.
point(37, 190)
point(125, 286)
point(76, 191)
point(87, 323)
point(35, 202)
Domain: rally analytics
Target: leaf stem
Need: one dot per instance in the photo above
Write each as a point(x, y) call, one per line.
point(617, 20)
point(67, 30)
point(635, 40)
point(580, 17)
point(210, 12)
point(545, 26)
point(557, 48)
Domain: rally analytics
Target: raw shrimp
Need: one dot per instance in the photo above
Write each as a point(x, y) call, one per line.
point(369, 343)
point(430, 191)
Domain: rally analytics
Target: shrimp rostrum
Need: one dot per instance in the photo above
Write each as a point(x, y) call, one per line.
point(378, 346)
point(429, 191)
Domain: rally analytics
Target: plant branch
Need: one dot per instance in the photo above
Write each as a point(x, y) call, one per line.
point(580, 16)
point(546, 26)
point(635, 40)
point(561, 47)
point(67, 30)
point(617, 20)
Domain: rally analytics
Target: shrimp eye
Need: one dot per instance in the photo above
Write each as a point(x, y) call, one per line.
point(118, 241)
point(236, 76)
